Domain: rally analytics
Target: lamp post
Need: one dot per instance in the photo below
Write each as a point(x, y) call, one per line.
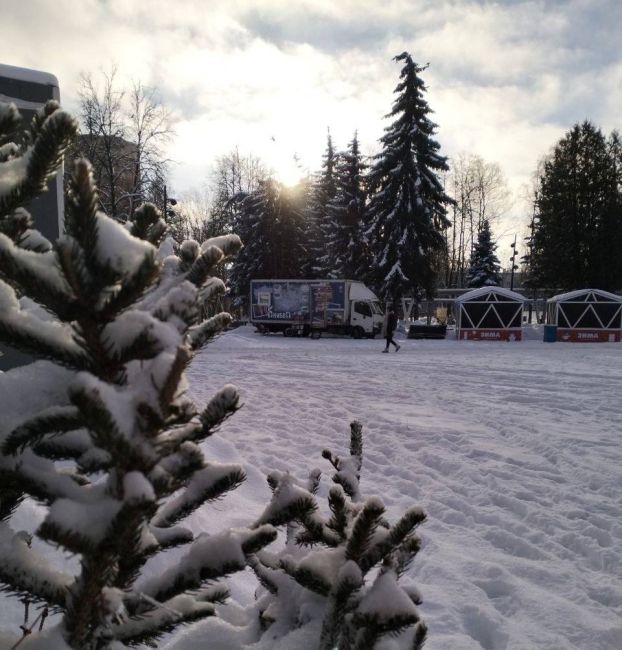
point(513, 260)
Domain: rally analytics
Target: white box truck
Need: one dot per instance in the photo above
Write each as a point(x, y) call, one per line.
point(303, 307)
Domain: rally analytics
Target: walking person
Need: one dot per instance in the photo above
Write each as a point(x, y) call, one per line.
point(391, 324)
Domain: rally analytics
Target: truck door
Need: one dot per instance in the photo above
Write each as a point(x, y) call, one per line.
point(362, 316)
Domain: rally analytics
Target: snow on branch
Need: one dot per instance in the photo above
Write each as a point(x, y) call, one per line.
point(118, 249)
point(164, 617)
point(49, 339)
point(25, 571)
point(207, 484)
point(54, 420)
point(208, 329)
point(230, 245)
point(209, 558)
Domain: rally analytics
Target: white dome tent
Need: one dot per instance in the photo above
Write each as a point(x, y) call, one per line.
point(490, 314)
point(586, 315)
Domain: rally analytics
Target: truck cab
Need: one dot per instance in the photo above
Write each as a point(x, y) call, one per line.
point(365, 318)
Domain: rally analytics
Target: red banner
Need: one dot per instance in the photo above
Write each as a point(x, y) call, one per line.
point(490, 334)
point(587, 336)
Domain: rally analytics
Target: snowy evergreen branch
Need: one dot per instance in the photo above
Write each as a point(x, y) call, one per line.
point(209, 558)
point(24, 572)
point(133, 287)
point(49, 339)
point(147, 224)
point(341, 553)
point(54, 420)
point(385, 609)
point(106, 430)
point(202, 268)
point(363, 529)
point(29, 173)
point(170, 537)
point(129, 324)
point(224, 404)
point(349, 581)
point(74, 445)
point(290, 502)
point(169, 387)
point(207, 484)
point(15, 224)
point(151, 625)
point(207, 330)
point(11, 494)
point(10, 123)
point(396, 535)
point(38, 276)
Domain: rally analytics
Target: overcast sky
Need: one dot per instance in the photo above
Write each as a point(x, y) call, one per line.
point(506, 79)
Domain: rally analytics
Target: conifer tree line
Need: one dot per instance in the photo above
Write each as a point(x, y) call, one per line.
point(380, 220)
point(405, 221)
point(576, 227)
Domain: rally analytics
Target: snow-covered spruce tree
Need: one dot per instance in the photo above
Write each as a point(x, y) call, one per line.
point(325, 568)
point(408, 202)
point(348, 213)
point(126, 325)
point(319, 221)
point(484, 269)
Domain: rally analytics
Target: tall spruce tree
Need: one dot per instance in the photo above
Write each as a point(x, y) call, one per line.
point(578, 223)
point(408, 203)
point(125, 326)
point(484, 269)
point(319, 223)
point(270, 220)
point(348, 215)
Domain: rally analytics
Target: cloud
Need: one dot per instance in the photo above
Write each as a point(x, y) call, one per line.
point(506, 79)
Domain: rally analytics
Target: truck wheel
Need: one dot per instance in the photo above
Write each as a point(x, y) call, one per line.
point(358, 332)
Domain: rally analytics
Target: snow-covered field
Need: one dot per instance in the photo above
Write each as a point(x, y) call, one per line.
point(513, 450)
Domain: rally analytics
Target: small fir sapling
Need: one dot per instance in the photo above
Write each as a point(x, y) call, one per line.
point(327, 565)
point(125, 325)
point(484, 269)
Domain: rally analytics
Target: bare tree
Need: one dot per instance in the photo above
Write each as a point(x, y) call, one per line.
point(194, 209)
point(480, 192)
point(234, 174)
point(123, 134)
point(149, 129)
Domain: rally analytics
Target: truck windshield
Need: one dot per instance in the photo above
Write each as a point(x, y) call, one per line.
point(376, 308)
point(363, 308)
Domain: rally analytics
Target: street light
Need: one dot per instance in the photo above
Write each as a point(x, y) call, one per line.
point(513, 260)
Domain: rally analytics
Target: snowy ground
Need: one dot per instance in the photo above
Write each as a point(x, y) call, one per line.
point(513, 449)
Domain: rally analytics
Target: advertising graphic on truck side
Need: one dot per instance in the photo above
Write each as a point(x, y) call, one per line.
point(304, 306)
